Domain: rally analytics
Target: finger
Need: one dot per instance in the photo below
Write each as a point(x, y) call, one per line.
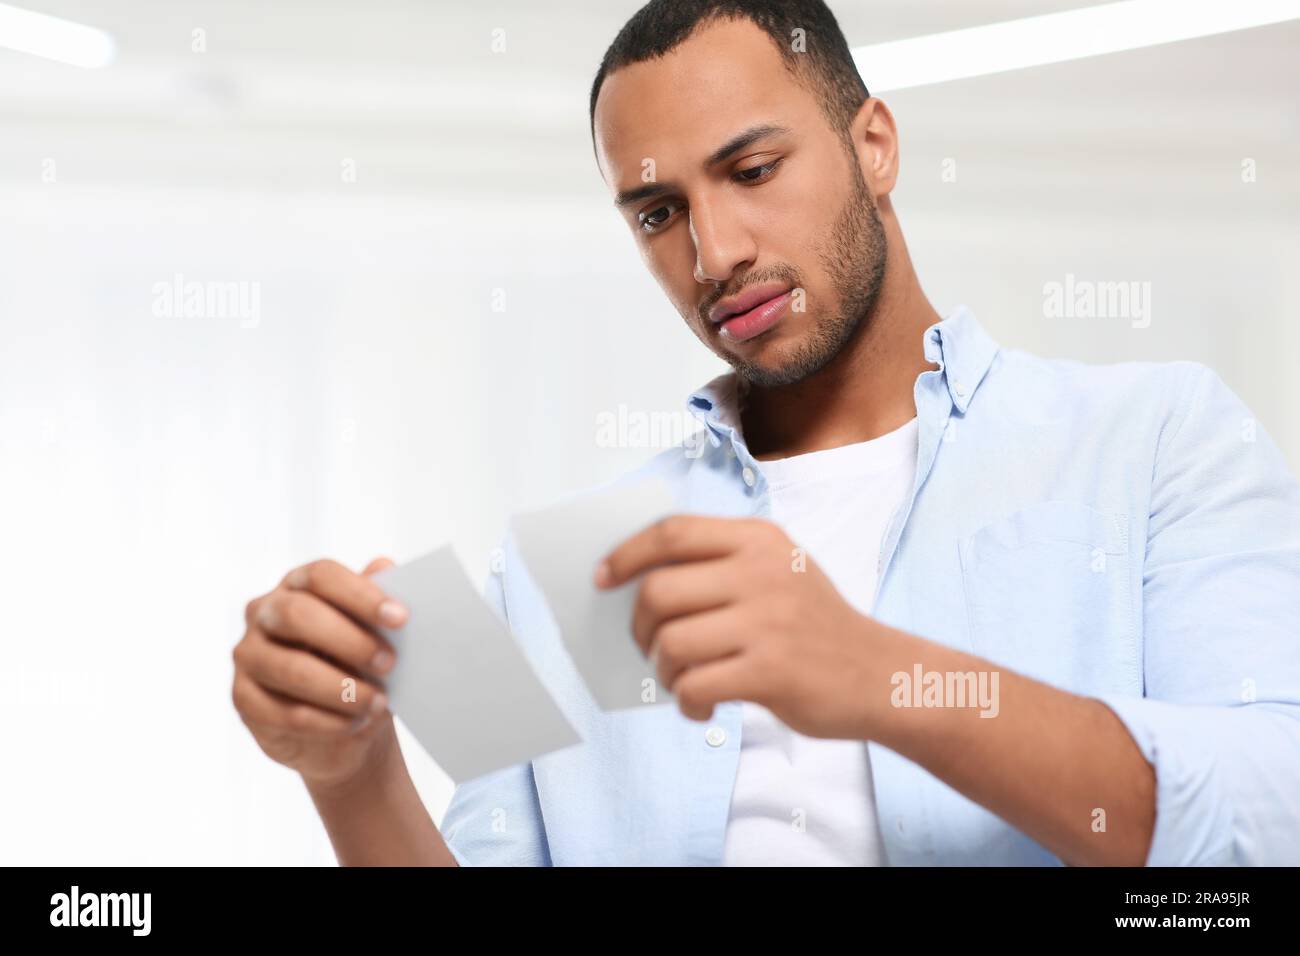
point(304, 618)
point(378, 564)
point(673, 539)
point(353, 594)
point(305, 677)
point(694, 641)
point(702, 688)
point(259, 707)
point(666, 593)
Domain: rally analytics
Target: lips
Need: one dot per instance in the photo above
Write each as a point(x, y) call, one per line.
point(724, 309)
point(752, 312)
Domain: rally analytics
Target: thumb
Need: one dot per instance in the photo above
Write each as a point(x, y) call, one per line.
point(378, 565)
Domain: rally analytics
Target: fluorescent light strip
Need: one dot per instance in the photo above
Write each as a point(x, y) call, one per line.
point(1058, 37)
point(55, 39)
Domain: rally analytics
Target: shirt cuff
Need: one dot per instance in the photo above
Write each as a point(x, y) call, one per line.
point(460, 857)
point(1194, 822)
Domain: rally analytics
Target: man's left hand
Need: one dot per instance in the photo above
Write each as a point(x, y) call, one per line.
point(732, 609)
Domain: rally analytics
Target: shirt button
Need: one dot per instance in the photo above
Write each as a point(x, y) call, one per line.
point(715, 736)
point(748, 475)
point(960, 389)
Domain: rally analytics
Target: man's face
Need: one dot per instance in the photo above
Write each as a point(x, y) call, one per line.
point(747, 205)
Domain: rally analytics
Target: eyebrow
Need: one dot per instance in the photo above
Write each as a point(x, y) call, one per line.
point(724, 152)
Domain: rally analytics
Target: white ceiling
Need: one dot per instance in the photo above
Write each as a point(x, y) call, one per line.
point(414, 94)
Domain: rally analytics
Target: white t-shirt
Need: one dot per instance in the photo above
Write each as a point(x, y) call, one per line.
point(804, 801)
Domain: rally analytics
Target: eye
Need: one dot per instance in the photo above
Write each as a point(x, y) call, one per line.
point(756, 174)
point(651, 221)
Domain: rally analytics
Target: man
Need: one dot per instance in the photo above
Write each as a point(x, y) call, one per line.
point(928, 601)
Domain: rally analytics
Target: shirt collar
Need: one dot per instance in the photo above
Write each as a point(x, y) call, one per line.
point(958, 345)
point(963, 351)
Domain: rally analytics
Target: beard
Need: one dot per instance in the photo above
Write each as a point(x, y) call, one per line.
point(854, 259)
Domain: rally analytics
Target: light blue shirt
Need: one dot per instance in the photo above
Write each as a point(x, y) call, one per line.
point(1126, 532)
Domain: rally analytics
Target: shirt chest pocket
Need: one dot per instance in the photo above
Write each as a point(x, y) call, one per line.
point(1049, 594)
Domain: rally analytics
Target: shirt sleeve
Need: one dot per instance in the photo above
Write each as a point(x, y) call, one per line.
point(496, 819)
point(1219, 718)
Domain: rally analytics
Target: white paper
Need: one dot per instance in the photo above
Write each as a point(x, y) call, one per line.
point(461, 683)
point(561, 546)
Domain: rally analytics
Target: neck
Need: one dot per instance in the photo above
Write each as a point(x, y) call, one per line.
point(866, 390)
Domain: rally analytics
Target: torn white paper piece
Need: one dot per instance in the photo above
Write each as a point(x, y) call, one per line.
point(561, 546)
point(461, 683)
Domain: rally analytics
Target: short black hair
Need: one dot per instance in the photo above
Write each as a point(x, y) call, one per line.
point(825, 63)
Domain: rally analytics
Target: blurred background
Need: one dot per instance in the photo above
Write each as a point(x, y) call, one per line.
point(440, 311)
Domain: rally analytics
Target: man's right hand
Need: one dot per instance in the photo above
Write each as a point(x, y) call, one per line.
point(307, 670)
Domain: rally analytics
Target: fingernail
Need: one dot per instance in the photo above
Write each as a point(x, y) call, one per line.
point(379, 704)
point(297, 579)
point(603, 574)
point(382, 661)
point(392, 614)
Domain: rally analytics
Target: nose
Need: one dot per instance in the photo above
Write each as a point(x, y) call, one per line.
point(722, 244)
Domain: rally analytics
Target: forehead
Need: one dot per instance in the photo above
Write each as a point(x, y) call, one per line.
point(680, 107)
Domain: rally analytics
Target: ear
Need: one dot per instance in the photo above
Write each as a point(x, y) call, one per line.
point(875, 141)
